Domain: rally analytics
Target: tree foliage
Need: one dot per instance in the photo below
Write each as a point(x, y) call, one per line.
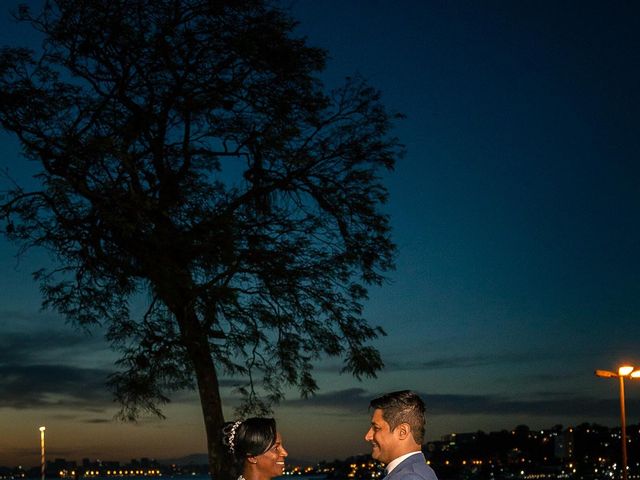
point(188, 153)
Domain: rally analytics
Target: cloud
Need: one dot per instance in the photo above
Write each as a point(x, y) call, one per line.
point(355, 400)
point(232, 382)
point(68, 387)
point(350, 400)
point(562, 405)
point(64, 386)
point(62, 368)
point(31, 347)
point(24, 316)
point(46, 367)
point(462, 361)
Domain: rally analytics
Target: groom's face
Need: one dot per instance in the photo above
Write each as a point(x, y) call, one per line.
point(382, 439)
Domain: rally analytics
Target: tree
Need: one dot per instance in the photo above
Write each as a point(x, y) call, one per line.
point(189, 154)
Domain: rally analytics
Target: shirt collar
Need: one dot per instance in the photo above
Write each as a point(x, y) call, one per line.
point(394, 463)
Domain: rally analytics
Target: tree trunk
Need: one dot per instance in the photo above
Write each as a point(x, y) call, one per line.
point(196, 343)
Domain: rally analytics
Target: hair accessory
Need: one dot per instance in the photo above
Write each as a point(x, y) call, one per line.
point(232, 436)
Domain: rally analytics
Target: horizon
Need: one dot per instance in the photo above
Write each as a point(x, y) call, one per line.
point(293, 460)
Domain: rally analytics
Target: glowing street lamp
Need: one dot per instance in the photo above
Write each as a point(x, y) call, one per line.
point(629, 372)
point(42, 464)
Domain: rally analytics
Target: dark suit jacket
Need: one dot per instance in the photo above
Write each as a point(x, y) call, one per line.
point(413, 468)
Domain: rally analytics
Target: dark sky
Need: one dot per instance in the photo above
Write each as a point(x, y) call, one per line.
point(516, 214)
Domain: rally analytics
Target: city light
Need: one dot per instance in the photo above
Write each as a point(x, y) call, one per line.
point(629, 372)
point(42, 462)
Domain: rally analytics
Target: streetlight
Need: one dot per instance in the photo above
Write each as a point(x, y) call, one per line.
point(42, 465)
point(629, 372)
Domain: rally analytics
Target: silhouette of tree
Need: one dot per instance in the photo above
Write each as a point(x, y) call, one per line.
point(188, 154)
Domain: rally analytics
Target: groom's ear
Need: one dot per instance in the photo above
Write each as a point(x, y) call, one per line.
point(404, 430)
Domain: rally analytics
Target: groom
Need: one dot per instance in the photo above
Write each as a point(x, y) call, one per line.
point(396, 435)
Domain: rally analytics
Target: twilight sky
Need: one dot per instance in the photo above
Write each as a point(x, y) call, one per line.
point(516, 212)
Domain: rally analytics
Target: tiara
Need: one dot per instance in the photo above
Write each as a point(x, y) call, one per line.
point(232, 435)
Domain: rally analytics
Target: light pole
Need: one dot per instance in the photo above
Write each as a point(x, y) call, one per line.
point(629, 372)
point(42, 464)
